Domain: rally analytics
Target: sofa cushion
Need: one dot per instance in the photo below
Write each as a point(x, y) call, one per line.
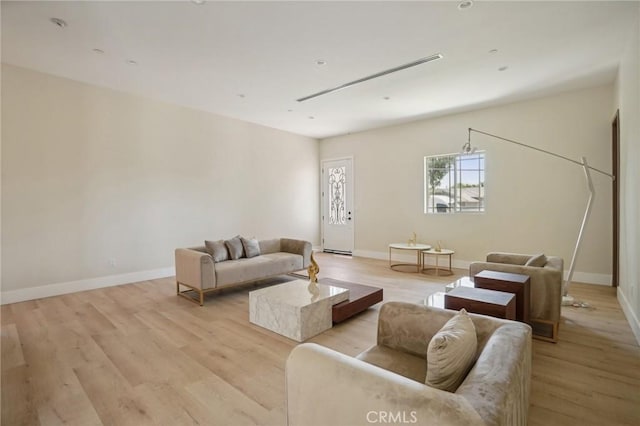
point(217, 250)
point(256, 268)
point(234, 245)
point(403, 363)
point(251, 247)
point(538, 260)
point(269, 246)
point(451, 353)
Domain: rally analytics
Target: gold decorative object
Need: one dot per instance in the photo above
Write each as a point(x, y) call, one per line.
point(313, 270)
point(314, 291)
point(412, 241)
point(439, 246)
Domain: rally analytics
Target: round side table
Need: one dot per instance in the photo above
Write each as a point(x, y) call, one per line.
point(437, 270)
point(418, 248)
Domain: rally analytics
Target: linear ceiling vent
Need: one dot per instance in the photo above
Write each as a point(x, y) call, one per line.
point(372, 76)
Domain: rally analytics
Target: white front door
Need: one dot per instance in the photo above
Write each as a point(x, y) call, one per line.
point(337, 206)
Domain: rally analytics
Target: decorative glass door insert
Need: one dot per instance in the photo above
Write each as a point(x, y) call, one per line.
point(337, 206)
point(337, 194)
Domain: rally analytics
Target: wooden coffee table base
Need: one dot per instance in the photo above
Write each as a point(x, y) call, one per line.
point(517, 284)
point(361, 297)
point(480, 301)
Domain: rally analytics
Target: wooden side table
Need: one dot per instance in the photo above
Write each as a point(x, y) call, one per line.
point(481, 301)
point(437, 254)
point(517, 284)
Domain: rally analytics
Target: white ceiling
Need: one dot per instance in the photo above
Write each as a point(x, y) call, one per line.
point(252, 60)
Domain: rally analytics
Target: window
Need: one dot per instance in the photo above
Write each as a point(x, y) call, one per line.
point(454, 183)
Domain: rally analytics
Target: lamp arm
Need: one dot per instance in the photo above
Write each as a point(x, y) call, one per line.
point(540, 150)
point(566, 299)
point(587, 213)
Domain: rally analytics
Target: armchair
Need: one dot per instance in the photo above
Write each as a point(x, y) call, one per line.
point(546, 284)
point(326, 387)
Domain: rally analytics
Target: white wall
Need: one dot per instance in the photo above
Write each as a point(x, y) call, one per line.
point(534, 202)
point(628, 97)
point(91, 174)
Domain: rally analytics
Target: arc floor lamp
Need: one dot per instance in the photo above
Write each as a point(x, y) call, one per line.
point(467, 149)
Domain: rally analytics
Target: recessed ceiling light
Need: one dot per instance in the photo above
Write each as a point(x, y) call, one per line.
point(98, 51)
point(59, 22)
point(321, 62)
point(311, 117)
point(465, 4)
point(131, 62)
point(386, 98)
point(198, 2)
point(289, 110)
point(493, 51)
point(241, 95)
point(504, 68)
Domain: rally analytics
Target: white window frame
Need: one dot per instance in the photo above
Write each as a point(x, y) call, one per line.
point(455, 191)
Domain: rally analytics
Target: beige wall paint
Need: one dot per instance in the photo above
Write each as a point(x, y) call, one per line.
point(91, 174)
point(534, 202)
point(628, 96)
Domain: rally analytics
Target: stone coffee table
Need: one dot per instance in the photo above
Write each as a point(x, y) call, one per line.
point(295, 309)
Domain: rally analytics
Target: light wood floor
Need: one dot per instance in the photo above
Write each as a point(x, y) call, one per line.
point(136, 354)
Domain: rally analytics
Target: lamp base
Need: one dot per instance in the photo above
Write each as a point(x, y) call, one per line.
point(568, 300)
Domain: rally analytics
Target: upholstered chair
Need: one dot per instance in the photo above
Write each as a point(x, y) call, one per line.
point(545, 273)
point(325, 387)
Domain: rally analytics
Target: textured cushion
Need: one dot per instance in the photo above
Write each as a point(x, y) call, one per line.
point(269, 246)
point(256, 268)
point(251, 247)
point(538, 260)
point(217, 250)
point(234, 245)
point(451, 353)
point(405, 364)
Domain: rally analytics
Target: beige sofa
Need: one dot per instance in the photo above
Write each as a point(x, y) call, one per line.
point(196, 269)
point(325, 387)
point(545, 281)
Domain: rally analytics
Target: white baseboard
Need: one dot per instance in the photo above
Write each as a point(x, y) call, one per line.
point(31, 293)
point(589, 278)
point(631, 316)
point(408, 258)
point(582, 277)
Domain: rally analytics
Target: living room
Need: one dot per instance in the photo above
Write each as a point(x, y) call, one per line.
point(101, 181)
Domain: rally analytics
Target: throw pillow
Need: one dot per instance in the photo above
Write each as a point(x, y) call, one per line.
point(217, 250)
point(538, 260)
point(234, 245)
point(251, 247)
point(451, 353)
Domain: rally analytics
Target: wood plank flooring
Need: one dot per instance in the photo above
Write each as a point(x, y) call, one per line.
point(138, 355)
